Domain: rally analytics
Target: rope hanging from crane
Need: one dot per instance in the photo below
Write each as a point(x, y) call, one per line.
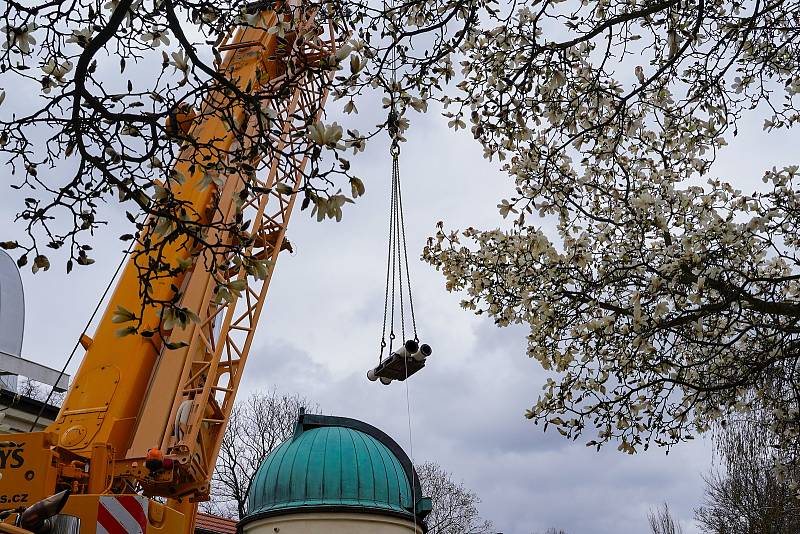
point(409, 357)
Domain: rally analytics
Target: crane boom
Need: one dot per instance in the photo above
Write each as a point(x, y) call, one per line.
point(132, 394)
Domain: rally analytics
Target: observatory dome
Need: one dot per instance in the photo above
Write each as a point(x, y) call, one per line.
point(336, 464)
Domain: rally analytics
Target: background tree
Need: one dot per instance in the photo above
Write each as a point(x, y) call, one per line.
point(754, 491)
point(669, 298)
point(258, 424)
point(33, 390)
point(38, 391)
point(662, 522)
point(455, 508)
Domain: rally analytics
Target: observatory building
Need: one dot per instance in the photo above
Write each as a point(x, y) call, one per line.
point(335, 476)
point(19, 411)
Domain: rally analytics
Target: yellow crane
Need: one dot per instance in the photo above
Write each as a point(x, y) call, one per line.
point(135, 443)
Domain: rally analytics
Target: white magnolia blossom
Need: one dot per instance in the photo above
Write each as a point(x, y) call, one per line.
point(56, 70)
point(356, 141)
point(157, 37)
point(80, 37)
point(111, 5)
point(325, 135)
point(54, 74)
point(20, 37)
point(180, 62)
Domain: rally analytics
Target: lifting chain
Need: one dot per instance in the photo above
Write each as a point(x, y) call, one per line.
point(398, 280)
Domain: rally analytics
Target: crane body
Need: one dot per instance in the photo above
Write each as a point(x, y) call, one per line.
point(134, 394)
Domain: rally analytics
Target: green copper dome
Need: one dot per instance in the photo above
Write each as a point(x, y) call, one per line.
point(335, 463)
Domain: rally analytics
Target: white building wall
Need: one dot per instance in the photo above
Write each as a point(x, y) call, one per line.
point(17, 413)
point(331, 523)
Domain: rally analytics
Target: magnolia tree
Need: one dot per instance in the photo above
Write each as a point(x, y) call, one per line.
point(98, 99)
point(667, 295)
point(668, 298)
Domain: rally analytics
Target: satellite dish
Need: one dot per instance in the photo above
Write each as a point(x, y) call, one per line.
point(12, 307)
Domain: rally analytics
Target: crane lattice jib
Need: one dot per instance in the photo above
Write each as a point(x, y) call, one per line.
point(207, 375)
point(132, 394)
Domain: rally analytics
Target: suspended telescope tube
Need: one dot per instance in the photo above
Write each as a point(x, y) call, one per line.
point(402, 363)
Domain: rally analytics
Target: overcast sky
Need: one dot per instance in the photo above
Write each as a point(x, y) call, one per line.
point(321, 328)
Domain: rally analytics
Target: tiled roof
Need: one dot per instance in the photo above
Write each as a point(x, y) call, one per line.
point(211, 524)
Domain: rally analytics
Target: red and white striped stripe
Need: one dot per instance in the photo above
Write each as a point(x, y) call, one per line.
point(122, 514)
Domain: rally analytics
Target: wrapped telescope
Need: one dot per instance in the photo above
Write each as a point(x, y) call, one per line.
point(402, 363)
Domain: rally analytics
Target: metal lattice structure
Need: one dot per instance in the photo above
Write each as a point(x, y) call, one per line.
point(218, 346)
point(221, 344)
